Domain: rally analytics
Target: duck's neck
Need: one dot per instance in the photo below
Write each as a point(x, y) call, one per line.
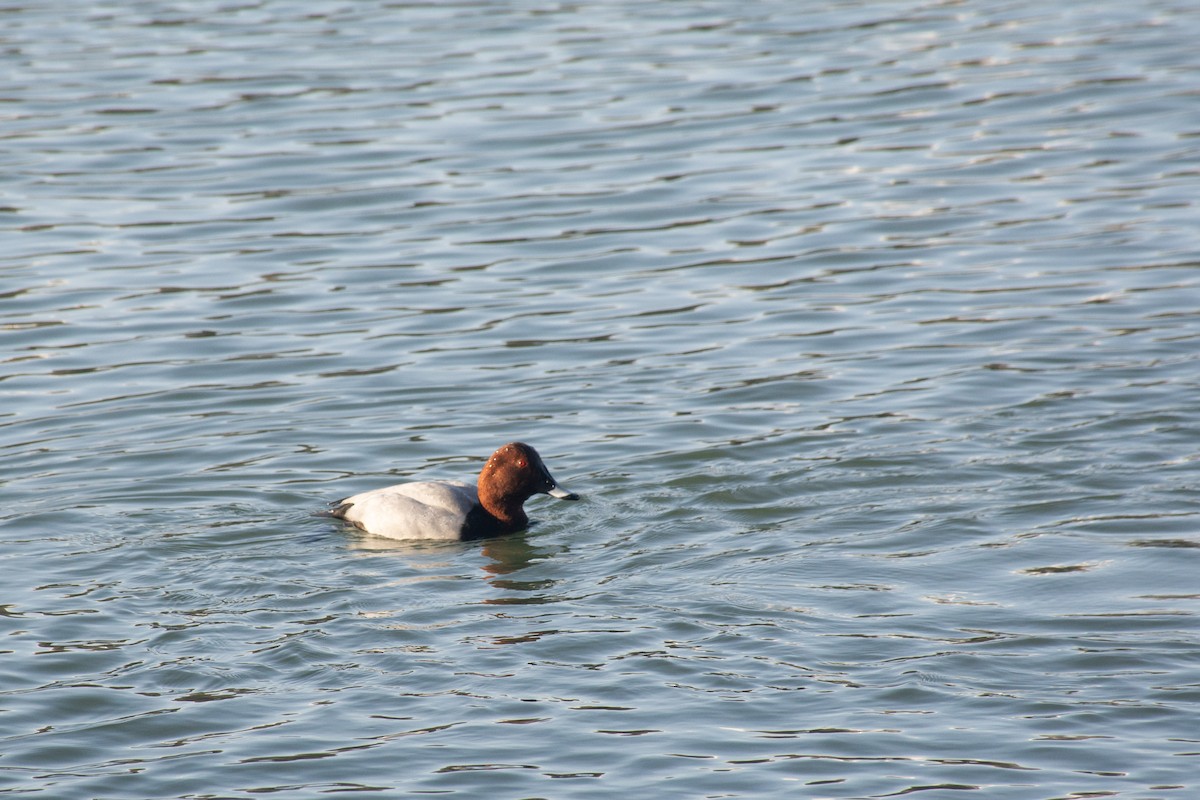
point(507, 510)
point(483, 524)
point(502, 498)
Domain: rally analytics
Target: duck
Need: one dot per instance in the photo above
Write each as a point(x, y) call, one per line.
point(453, 510)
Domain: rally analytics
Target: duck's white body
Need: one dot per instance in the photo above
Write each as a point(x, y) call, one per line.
point(419, 510)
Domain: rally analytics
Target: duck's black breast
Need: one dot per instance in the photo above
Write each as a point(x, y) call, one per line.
point(479, 524)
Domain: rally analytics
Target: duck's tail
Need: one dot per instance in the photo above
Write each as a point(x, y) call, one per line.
point(337, 510)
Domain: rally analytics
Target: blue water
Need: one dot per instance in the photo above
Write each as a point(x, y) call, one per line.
point(868, 332)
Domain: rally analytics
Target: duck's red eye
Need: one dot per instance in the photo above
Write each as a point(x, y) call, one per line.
point(521, 463)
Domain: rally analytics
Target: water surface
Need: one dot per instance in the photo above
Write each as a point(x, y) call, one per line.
point(868, 332)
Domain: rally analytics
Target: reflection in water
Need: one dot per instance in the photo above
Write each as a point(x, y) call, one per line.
point(511, 555)
point(432, 560)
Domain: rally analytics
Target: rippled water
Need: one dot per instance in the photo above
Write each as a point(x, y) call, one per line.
point(868, 331)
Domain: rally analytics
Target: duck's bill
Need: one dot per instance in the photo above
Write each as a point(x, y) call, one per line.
point(561, 493)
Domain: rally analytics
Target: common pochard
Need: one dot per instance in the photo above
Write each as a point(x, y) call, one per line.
point(455, 510)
